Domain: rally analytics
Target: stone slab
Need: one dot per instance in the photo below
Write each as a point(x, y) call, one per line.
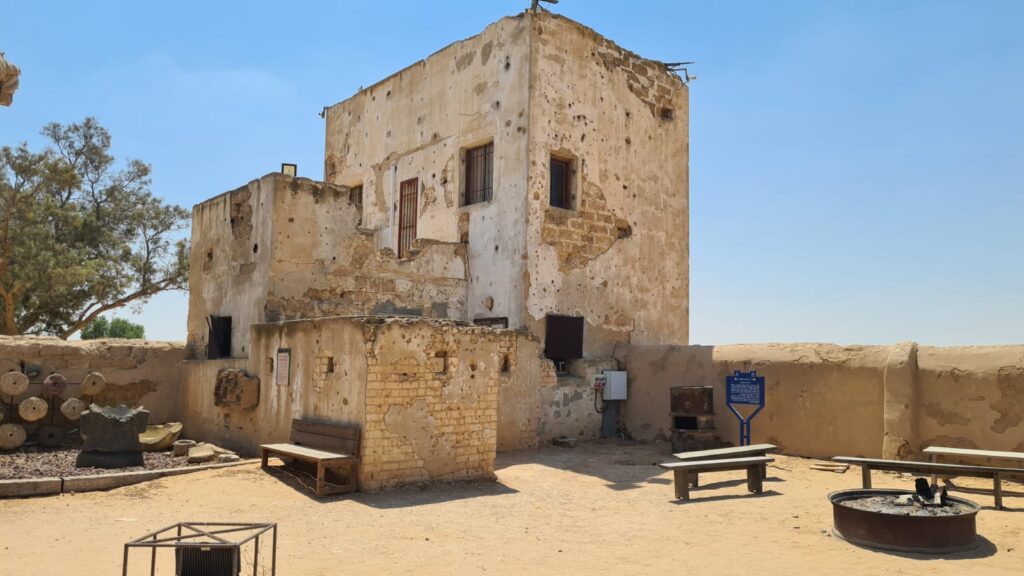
point(119, 479)
point(30, 487)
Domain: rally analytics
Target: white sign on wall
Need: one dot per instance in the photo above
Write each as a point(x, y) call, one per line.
point(282, 375)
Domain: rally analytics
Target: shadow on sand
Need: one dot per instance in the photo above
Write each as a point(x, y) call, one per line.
point(402, 497)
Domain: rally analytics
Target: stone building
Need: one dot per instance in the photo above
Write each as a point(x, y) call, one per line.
point(534, 171)
point(524, 193)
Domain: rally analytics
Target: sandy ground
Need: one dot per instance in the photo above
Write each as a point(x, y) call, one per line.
point(594, 509)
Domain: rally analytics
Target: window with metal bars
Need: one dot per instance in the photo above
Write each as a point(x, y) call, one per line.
point(561, 183)
point(479, 174)
point(355, 197)
point(409, 190)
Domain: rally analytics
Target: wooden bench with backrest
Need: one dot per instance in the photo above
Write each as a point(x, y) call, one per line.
point(754, 465)
point(934, 468)
point(329, 447)
point(720, 453)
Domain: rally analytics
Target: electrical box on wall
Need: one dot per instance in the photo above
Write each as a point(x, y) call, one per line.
point(614, 385)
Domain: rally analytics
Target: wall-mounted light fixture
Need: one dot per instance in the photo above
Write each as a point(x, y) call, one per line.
point(289, 169)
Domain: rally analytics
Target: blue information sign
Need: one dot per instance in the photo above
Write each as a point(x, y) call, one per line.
point(744, 388)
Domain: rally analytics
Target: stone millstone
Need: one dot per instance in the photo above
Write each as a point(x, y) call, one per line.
point(201, 453)
point(50, 436)
point(13, 384)
point(72, 408)
point(54, 385)
point(33, 409)
point(235, 387)
point(112, 428)
point(181, 447)
point(93, 384)
point(11, 436)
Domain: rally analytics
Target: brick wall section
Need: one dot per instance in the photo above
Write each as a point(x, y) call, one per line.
point(583, 234)
point(432, 414)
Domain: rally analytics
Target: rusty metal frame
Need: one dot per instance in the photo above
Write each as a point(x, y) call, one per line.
point(211, 533)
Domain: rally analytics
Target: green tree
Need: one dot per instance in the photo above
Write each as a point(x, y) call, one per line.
point(79, 236)
point(116, 328)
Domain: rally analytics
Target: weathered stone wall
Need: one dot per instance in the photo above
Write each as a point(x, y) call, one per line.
point(417, 123)
point(285, 248)
point(425, 392)
point(229, 263)
point(971, 397)
point(432, 402)
point(824, 400)
point(138, 372)
point(620, 257)
point(535, 405)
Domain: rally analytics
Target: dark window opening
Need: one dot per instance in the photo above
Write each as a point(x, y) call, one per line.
point(561, 183)
point(355, 198)
point(684, 422)
point(479, 174)
point(441, 366)
point(219, 344)
point(563, 340)
point(330, 365)
point(407, 216)
point(506, 364)
point(492, 322)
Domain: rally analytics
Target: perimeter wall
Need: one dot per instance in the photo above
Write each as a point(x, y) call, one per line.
point(824, 400)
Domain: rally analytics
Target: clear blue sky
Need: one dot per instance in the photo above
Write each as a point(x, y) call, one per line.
point(857, 167)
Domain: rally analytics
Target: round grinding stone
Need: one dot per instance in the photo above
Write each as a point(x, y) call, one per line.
point(13, 383)
point(93, 384)
point(32, 409)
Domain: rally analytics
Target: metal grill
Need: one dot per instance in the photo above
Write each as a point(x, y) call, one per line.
point(407, 216)
point(479, 173)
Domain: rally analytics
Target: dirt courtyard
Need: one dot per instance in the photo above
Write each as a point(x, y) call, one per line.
point(599, 508)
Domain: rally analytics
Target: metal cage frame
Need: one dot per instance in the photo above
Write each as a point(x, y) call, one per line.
point(205, 535)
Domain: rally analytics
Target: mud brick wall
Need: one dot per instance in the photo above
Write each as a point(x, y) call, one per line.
point(432, 408)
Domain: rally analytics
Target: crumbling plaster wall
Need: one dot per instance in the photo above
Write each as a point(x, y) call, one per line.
point(283, 248)
point(229, 263)
point(432, 401)
point(824, 400)
point(311, 392)
point(417, 124)
point(138, 372)
point(535, 405)
point(323, 264)
point(971, 397)
point(424, 391)
point(620, 258)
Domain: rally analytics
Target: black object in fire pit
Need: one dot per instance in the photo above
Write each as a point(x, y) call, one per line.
point(873, 518)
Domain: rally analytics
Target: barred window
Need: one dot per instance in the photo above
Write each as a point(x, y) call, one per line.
point(479, 174)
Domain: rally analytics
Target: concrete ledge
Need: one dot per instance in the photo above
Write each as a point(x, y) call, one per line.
point(30, 487)
point(50, 486)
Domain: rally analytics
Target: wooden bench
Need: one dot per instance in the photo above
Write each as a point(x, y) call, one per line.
point(329, 447)
point(754, 466)
point(935, 451)
point(720, 453)
point(935, 468)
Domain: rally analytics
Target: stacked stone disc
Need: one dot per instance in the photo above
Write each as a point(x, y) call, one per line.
point(34, 409)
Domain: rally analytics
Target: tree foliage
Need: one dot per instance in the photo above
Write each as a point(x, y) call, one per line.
point(80, 236)
point(116, 328)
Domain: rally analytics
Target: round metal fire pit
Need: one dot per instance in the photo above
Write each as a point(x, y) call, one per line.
point(903, 533)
